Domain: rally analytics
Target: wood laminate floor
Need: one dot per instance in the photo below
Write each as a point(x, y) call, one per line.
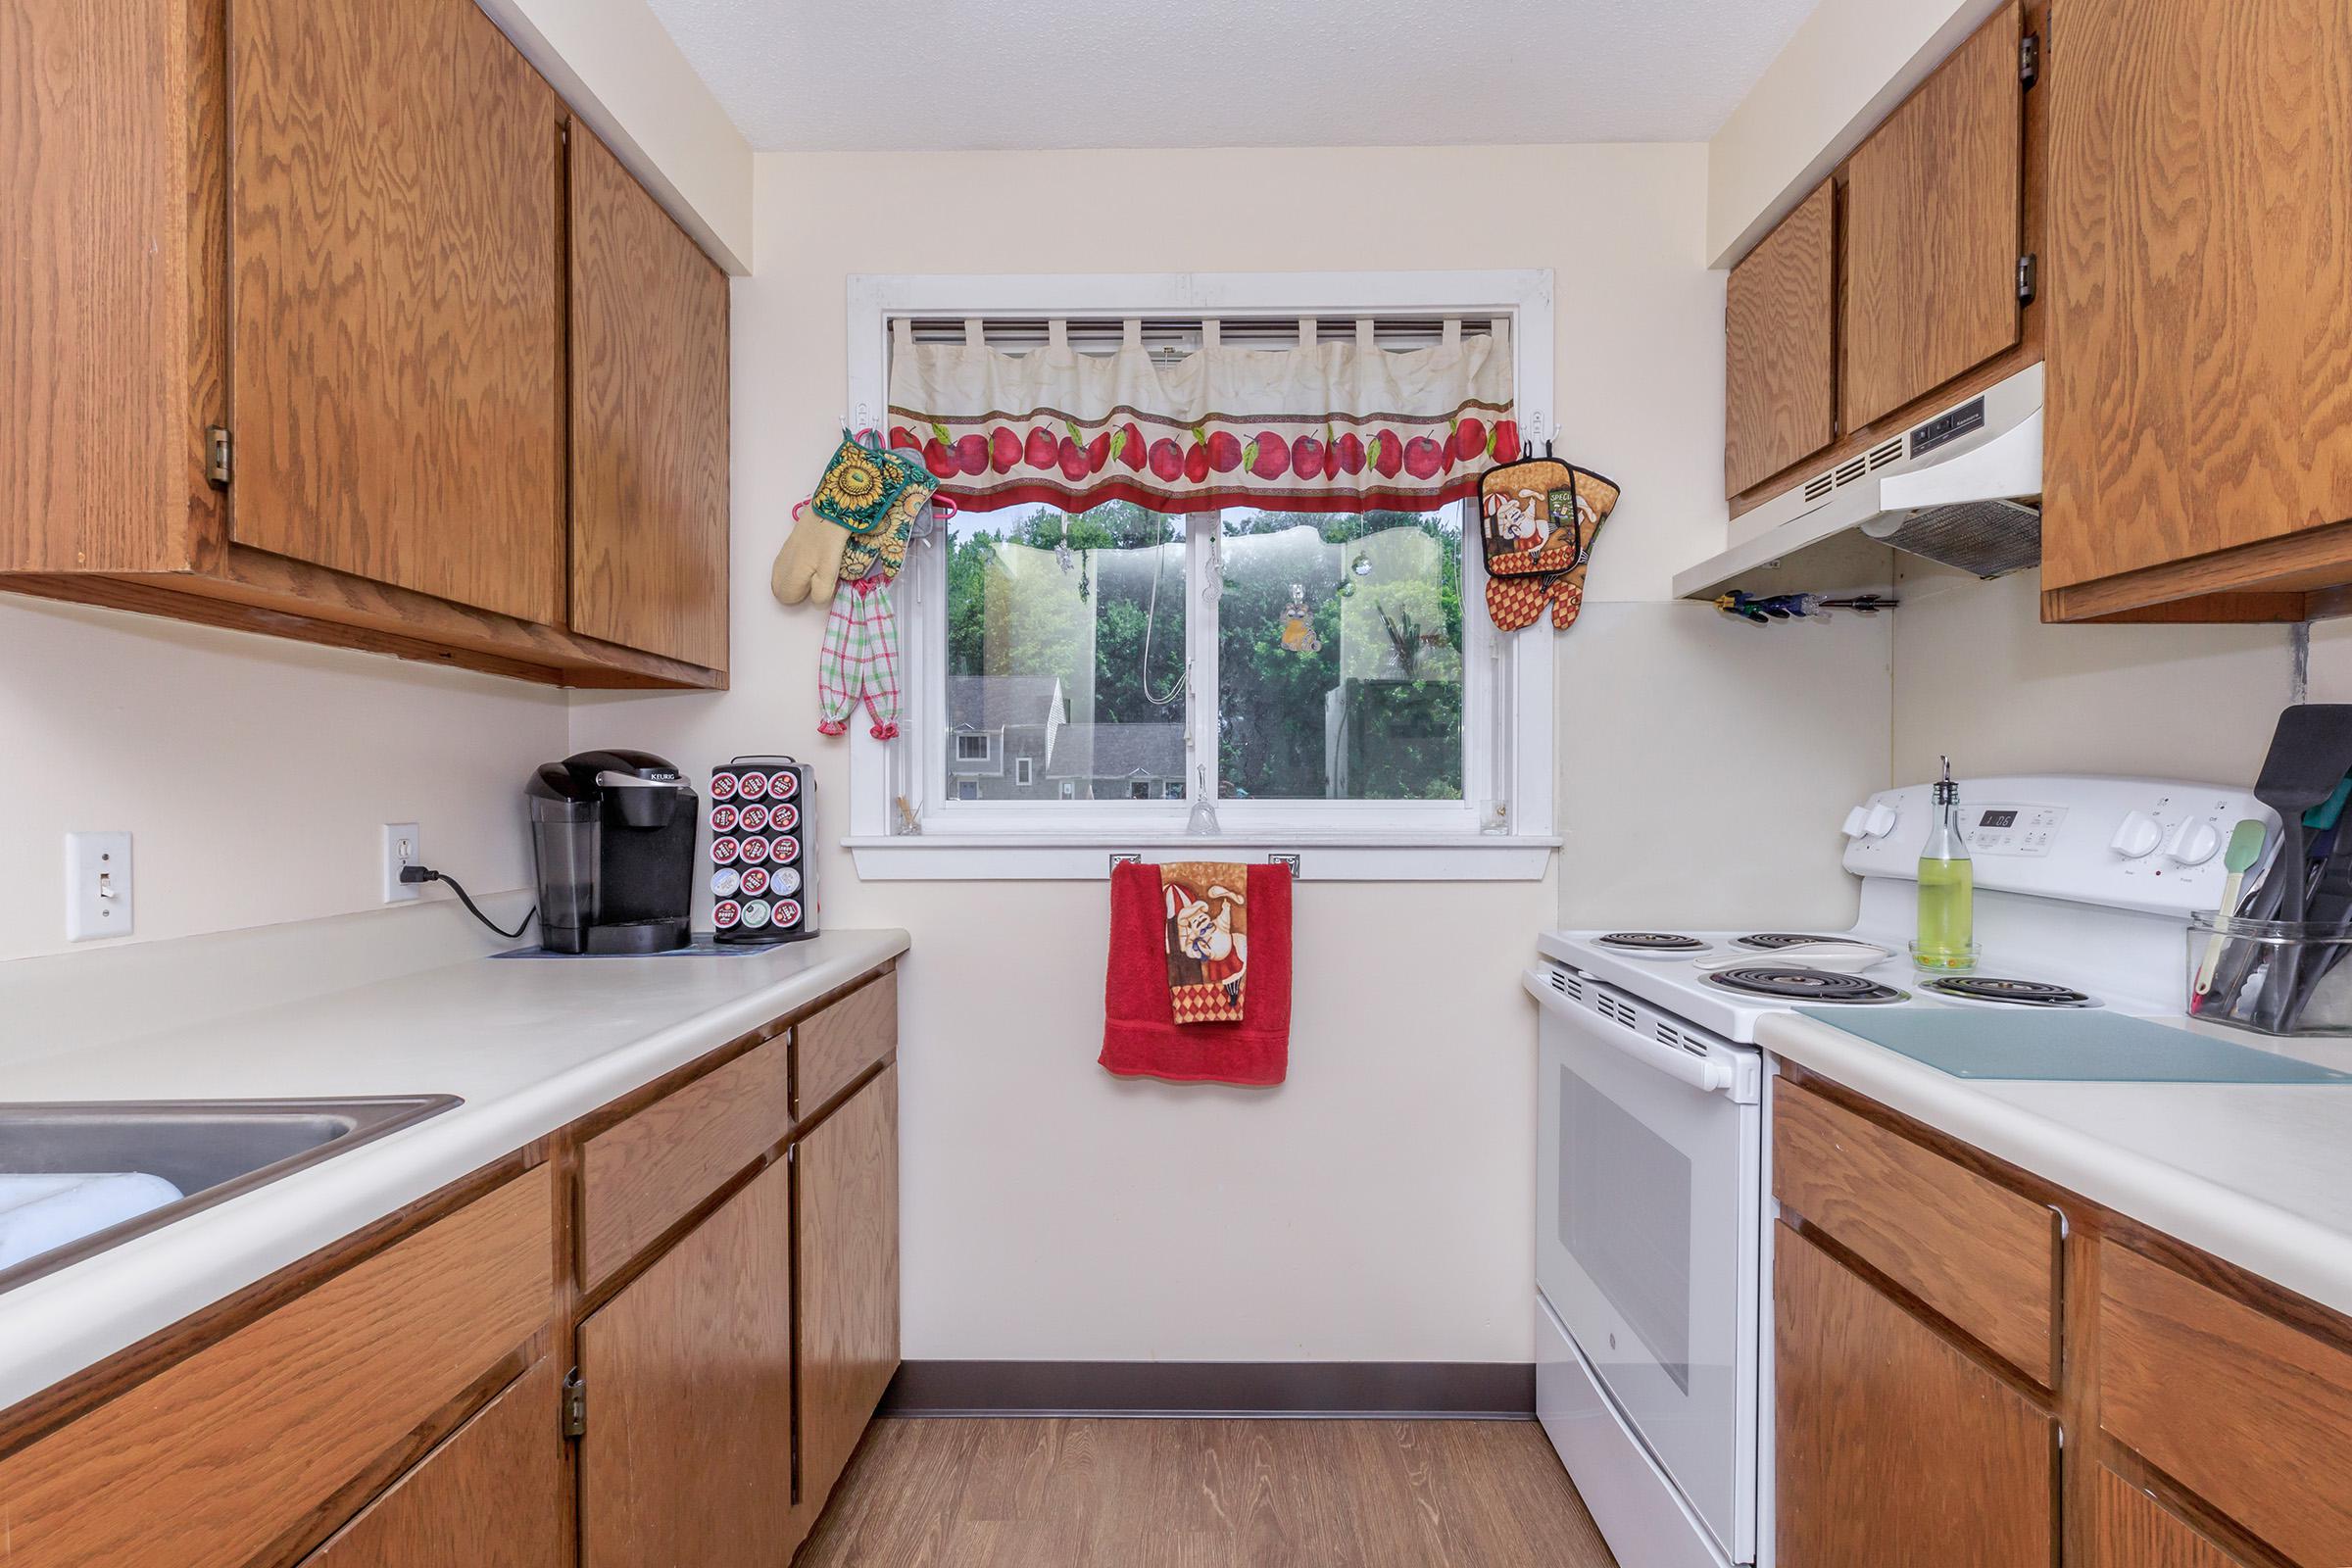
point(1183, 1493)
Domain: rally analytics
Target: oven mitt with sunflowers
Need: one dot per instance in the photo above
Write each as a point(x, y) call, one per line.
point(865, 489)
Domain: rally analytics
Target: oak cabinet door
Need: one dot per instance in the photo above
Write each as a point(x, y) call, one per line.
point(2135, 1531)
point(1934, 214)
point(490, 1496)
point(2200, 312)
point(396, 299)
point(848, 1172)
point(1894, 1447)
point(1778, 325)
point(649, 421)
point(687, 1457)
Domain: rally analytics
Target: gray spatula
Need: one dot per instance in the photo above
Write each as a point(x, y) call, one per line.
point(2309, 751)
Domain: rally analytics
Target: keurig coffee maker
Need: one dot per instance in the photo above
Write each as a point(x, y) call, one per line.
point(614, 833)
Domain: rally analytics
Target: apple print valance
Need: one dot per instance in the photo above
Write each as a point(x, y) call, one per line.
point(1327, 427)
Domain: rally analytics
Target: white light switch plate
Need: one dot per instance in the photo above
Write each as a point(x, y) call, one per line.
point(404, 844)
point(98, 900)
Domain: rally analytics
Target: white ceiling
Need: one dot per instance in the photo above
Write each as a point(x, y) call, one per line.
point(936, 74)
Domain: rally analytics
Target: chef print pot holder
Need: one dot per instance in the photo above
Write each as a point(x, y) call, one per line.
point(1538, 519)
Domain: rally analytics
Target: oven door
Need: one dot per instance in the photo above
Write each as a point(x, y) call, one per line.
point(1648, 1225)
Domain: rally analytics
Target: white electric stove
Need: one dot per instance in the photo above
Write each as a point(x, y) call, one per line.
point(1652, 1243)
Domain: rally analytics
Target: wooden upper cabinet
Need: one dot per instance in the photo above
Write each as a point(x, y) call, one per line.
point(649, 421)
point(1933, 214)
point(396, 299)
point(1779, 326)
point(2201, 327)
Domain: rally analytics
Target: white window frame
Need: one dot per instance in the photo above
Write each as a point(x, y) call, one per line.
point(979, 735)
point(1502, 830)
point(1023, 772)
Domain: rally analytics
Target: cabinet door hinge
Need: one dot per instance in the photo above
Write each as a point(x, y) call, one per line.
point(575, 1405)
point(2028, 59)
point(2029, 274)
point(217, 445)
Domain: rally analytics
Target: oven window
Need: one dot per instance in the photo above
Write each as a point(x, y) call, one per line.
point(1625, 1217)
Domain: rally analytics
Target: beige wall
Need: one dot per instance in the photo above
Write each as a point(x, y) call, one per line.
point(254, 775)
point(1851, 62)
point(1978, 675)
point(1378, 1206)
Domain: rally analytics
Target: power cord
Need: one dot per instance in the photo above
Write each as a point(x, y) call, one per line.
point(420, 874)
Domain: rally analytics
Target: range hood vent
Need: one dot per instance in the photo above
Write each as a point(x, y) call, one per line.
point(1963, 489)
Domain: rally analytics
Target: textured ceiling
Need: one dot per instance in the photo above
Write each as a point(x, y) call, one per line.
point(937, 75)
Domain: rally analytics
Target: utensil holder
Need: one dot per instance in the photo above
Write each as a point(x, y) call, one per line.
point(2275, 977)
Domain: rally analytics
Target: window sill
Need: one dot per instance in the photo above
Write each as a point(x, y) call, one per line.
point(1087, 856)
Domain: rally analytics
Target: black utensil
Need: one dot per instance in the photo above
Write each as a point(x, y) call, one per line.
point(2309, 751)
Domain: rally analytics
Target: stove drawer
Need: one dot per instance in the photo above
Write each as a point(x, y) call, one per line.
point(1979, 1255)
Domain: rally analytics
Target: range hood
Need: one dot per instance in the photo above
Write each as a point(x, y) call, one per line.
point(1962, 488)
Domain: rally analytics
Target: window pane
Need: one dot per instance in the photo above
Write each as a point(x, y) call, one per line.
point(1339, 657)
point(1049, 615)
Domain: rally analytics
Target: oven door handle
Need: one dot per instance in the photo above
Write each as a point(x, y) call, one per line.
point(1704, 1073)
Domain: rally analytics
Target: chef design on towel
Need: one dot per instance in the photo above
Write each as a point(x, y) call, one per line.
point(1208, 939)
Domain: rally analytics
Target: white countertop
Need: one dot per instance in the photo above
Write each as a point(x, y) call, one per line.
point(2259, 1175)
point(530, 1044)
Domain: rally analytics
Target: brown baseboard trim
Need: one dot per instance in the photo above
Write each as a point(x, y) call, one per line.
point(1490, 1390)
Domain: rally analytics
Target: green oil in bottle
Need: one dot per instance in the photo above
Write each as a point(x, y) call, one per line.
point(1948, 886)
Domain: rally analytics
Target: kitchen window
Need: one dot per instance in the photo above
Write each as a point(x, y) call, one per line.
point(1078, 678)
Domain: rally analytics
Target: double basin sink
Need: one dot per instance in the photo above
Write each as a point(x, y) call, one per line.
point(209, 1150)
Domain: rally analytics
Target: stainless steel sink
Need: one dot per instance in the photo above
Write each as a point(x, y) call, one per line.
point(211, 1150)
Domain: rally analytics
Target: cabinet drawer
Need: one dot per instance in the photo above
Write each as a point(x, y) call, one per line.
point(843, 1041)
point(2251, 1414)
point(1981, 1255)
point(226, 1453)
point(642, 1177)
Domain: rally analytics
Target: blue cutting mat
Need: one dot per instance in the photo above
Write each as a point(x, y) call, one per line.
point(2073, 1047)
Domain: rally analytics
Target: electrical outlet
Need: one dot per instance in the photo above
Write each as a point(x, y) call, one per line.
point(97, 886)
point(404, 844)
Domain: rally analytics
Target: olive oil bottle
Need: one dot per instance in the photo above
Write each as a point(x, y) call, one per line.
point(1948, 886)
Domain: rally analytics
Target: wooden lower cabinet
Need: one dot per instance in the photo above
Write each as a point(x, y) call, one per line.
point(848, 1174)
point(405, 1399)
point(490, 1496)
point(263, 1435)
point(687, 1457)
point(1890, 1439)
point(2199, 1417)
point(2135, 1531)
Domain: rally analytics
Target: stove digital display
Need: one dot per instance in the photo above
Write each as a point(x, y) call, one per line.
point(1997, 819)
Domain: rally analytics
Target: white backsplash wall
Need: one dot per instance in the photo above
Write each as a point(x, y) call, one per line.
point(1378, 1206)
point(1706, 764)
point(1979, 677)
point(253, 773)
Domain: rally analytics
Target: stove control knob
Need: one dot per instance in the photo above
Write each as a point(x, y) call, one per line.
point(1880, 821)
point(1856, 823)
point(2194, 843)
point(2136, 836)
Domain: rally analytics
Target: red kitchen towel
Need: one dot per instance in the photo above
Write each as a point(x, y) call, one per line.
point(1141, 1037)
